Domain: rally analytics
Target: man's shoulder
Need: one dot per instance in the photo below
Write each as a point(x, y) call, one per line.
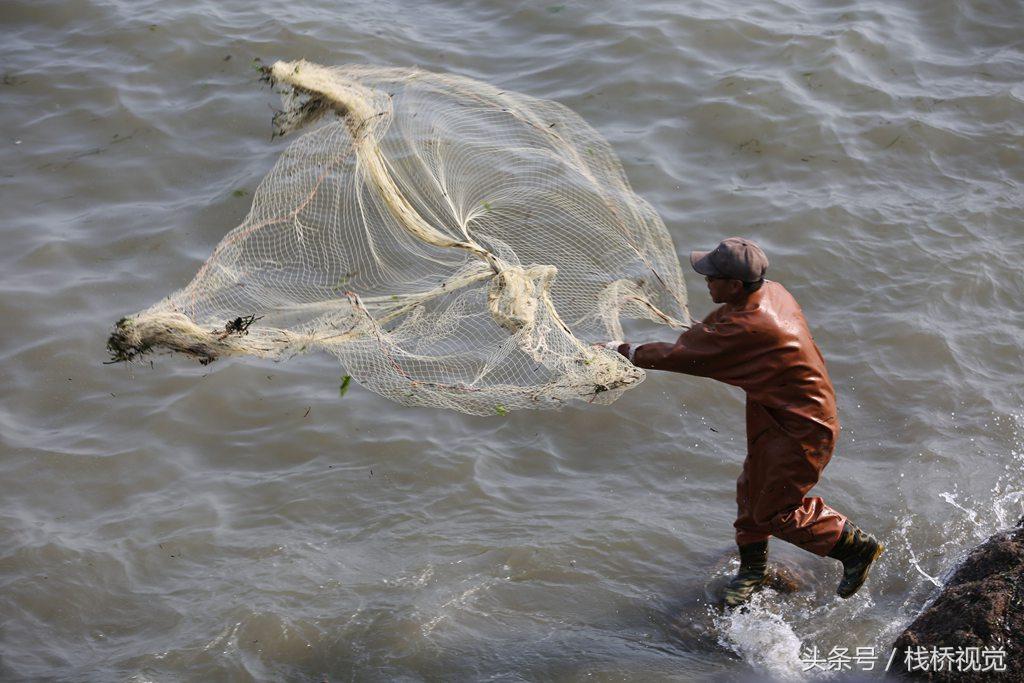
point(753, 319)
point(777, 298)
point(782, 312)
point(768, 310)
point(763, 312)
point(776, 289)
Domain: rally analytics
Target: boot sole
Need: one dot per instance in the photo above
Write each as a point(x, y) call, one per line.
point(863, 578)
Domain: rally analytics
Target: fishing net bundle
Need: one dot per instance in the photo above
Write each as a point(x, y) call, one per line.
point(453, 244)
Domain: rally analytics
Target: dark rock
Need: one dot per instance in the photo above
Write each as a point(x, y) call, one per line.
point(980, 607)
point(785, 578)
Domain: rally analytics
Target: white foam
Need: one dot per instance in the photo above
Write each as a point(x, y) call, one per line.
point(762, 637)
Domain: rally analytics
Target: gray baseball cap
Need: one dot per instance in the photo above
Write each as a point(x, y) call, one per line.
point(735, 257)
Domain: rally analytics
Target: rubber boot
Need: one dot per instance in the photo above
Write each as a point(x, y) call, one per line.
point(857, 551)
point(751, 576)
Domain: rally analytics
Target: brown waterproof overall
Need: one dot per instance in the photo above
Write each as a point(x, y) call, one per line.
point(764, 347)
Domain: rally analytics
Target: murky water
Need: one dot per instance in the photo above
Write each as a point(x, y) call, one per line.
point(241, 521)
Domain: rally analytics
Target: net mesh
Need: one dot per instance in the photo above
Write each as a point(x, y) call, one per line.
point(453, 244)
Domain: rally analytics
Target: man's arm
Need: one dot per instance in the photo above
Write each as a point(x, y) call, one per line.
point(703, 350)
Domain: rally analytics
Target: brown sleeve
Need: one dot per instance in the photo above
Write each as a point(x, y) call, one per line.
point(714, 350)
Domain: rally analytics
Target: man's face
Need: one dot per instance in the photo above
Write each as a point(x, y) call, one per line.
point(722, 289)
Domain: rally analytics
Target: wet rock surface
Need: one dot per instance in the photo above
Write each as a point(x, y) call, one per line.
point(979, 612)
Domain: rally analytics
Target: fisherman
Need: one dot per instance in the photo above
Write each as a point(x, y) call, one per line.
point(758, 340)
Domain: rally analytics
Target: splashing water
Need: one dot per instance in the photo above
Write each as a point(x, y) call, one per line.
point(1005, 506)
point(976, 515)
point(759, 634)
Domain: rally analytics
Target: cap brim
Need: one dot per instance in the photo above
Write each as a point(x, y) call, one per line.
point(702, 264)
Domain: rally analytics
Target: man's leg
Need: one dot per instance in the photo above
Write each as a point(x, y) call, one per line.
point(786, 464)
point(789, 463)
point(752, 542)
point(857, 551)
point(747, 530)
point(812, 525)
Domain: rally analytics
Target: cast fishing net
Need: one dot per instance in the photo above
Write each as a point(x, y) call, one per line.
point(453, 244)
